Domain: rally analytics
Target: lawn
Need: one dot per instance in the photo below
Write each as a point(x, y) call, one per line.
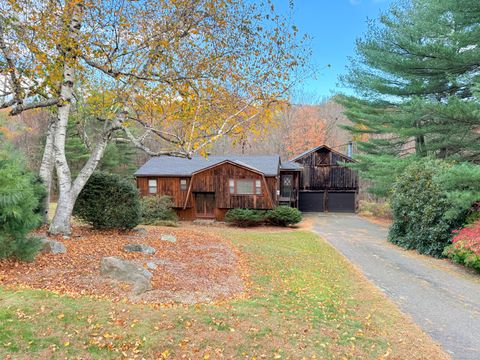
point(304, 301)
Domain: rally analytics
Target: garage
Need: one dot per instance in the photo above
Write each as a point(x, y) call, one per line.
point(326, 183)
point(311, 201)
point(335, 201)
point(341, 202)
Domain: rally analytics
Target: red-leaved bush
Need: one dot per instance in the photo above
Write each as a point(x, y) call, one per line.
point(465, 247)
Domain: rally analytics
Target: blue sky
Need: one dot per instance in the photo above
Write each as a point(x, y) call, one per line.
point(334, 25)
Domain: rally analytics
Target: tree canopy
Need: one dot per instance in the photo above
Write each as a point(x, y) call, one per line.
point(416, 76)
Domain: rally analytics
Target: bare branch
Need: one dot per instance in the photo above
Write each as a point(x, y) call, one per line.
point(34, 105)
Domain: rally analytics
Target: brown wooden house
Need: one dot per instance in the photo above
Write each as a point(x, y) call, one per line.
point(325, 183)
point(209, 187)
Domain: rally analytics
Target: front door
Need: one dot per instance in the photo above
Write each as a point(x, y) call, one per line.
point(286, 187)
point(205, 204)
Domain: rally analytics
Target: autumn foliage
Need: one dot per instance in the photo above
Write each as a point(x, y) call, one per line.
point(465, 248)
point(307, 130)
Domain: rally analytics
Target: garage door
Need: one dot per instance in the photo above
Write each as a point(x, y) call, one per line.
point(311, 201)
point(341, 202)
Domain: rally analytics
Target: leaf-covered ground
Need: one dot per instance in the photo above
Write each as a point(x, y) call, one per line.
point(195, 268)
point(304, 301)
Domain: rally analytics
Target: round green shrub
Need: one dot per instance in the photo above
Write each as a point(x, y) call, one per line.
point(19, 201)
point(157, 209)
point(419, 205)
point(109, 201)
point(245, 217)
point(284, 216)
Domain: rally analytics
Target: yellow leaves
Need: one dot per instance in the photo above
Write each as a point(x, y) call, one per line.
point(60, 316)
point(165, 354)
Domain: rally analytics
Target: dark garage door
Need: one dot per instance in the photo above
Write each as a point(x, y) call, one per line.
point(311, 201)
point(341, 202)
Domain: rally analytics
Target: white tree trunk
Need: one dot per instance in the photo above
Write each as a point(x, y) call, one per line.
point(47, 166)
point(61, 220)
point(67, 198)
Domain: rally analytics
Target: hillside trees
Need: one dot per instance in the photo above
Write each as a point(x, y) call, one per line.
point(172, 76)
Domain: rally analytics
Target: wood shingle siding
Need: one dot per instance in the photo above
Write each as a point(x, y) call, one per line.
point(322, 170)
point(213, 180)
point(166, 186)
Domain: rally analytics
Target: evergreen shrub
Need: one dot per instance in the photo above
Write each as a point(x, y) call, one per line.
point(157, 209)
point(284, 216)
point(109, 201)
point(19, 203)
point(419, 205)
point(245, 217)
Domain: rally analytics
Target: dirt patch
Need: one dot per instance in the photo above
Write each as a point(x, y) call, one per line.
point(198, 267)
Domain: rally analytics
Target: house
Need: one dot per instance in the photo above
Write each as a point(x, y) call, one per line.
point(325, 184)
point(208, 187)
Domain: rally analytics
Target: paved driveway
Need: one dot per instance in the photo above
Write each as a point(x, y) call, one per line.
point(443, 299)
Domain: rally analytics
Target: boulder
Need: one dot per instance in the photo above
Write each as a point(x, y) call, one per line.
point(127, 271)
point(139, 231)
point(141, 248)
point(52, 247)
point(151, 265)
point(167, 237)
point(205, 222)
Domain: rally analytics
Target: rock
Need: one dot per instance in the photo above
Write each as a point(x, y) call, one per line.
point(204, 222)
point(139, 231)
point(127, 271)
point(167, 237)
point(142, 248)
point(151, 265)
point(53, 247)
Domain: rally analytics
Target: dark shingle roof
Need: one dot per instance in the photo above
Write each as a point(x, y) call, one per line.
point(290, 165)
point(174, 166)
point(318, 148)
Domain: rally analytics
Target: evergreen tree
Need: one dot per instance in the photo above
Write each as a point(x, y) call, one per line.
point(119, 157)
point(416, 77)
point(19, 206)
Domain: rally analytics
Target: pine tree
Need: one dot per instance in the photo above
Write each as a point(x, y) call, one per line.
point(19, 204)
point(416, 80)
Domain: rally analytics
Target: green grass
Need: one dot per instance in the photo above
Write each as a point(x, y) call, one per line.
point(304, 301)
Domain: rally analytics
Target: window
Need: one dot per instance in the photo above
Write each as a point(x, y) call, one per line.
point(258, 187)
point(152, 186)
point(245, 186)
point(183, 184)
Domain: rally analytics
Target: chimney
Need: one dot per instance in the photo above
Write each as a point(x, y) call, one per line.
point(350, 149)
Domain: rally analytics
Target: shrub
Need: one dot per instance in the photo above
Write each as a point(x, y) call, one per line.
point(418, 206)
point(18, 203)
point(377, 209)
point(156, 209)
point(245, 217)
point(168, 223)
point(109, 201)
point(284, 216)
point(465, 247)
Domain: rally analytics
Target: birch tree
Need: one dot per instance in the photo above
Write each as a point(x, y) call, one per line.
point(171, 76)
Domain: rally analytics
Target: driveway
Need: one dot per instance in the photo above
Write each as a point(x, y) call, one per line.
point(441, 298)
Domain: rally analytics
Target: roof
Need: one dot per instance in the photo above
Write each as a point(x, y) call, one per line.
point(318, 148)
point(175, 166)
point(290, 165)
